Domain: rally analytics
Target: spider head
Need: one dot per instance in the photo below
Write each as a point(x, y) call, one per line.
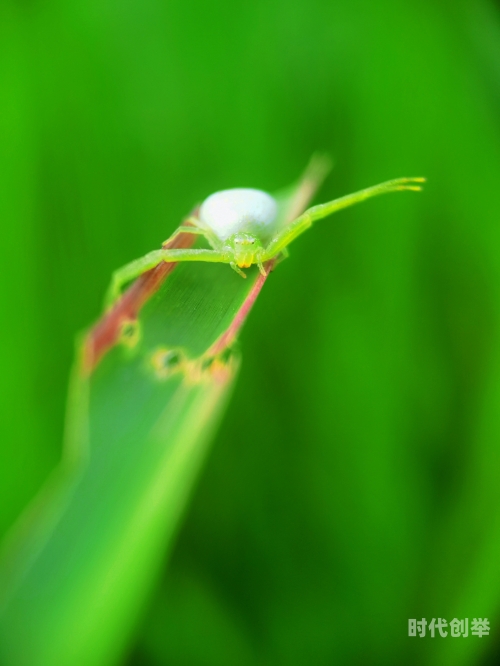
point(243, 248)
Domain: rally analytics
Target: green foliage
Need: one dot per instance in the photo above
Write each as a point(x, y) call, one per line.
point(77, 569)
point(149, 383)
point(354, 483)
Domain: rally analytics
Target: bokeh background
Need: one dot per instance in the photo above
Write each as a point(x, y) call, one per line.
point(355, 480)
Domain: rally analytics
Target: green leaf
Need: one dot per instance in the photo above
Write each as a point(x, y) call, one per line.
point(150, 383)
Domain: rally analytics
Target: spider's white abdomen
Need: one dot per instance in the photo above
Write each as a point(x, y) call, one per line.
point(239, 210)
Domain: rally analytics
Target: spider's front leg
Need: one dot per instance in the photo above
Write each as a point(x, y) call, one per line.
point(129, 272)
point(136, 268)
point(304, 221)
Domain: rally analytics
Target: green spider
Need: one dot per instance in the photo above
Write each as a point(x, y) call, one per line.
point(241, 226)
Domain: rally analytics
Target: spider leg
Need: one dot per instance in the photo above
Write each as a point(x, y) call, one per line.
point(260, 261)
point(135, 268)
point(195, 228)
point(284, 254)
point(185, 229)
point(287, 235)
point(236, 268)
point(304, 221)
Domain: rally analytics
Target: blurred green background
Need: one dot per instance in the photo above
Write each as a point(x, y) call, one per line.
point(355, 481)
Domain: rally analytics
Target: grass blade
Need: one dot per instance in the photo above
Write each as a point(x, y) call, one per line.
point(150, 383)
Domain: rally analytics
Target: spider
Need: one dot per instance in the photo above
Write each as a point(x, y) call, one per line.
point(242, 227)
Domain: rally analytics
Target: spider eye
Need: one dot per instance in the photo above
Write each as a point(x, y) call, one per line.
point(244, 240)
